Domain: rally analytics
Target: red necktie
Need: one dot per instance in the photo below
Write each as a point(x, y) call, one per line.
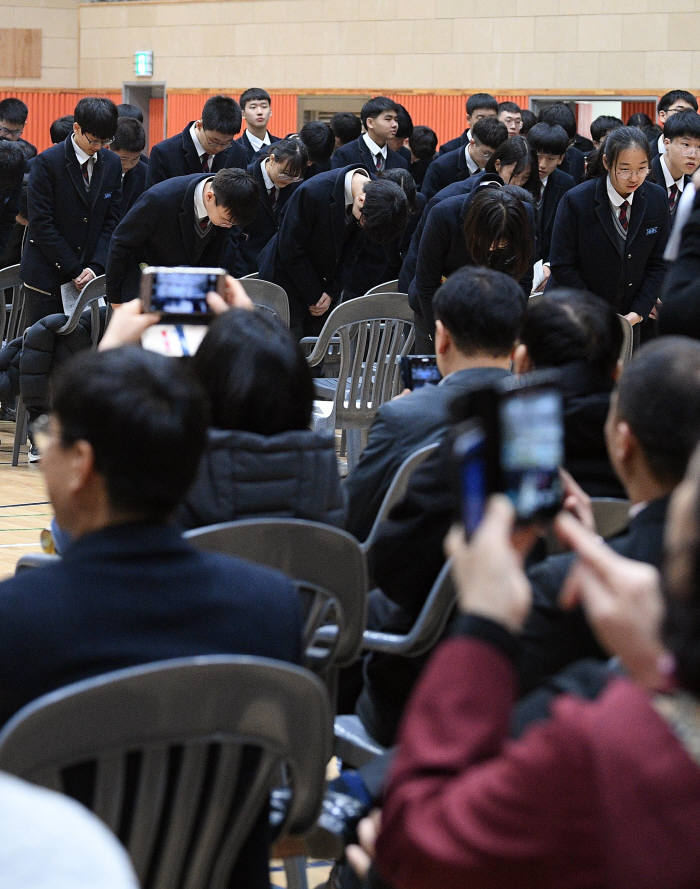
point(623, 215)
point(205, 163)
point(379, 161)
point(85, 168)
point(672, 198)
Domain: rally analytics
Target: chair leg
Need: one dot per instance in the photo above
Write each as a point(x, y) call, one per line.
point(295, 872)
point(20, 430)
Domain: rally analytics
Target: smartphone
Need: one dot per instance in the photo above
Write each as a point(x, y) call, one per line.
point(417, 370)
point(179, 293)
point(472, 482)
point(515, 446)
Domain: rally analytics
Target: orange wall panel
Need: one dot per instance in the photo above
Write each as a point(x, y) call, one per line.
point(45, 107)
point(184, 107)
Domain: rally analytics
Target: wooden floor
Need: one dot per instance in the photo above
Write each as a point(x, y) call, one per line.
point(24, 506)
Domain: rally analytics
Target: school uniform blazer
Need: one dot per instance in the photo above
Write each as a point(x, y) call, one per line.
point(586, 253)
point(160, 230)
point(9, 205)
point(574, 164)
point(177, 156)
point(358, 154)
point(442, 250)
point(444, 170)
point(133, 186)
point(248, 152)
point(304, 256)
point(69, 226)
point(457, 142)
point(264, 226)
point(558, 184)
point(657, 174)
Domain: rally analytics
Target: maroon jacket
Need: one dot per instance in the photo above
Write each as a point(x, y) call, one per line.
point(602, 796)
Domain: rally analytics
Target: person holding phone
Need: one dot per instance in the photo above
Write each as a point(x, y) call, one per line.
point(610, 232)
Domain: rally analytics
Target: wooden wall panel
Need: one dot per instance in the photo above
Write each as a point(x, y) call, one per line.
point(20, 52)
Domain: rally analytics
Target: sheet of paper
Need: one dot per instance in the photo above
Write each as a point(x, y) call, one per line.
point(69, 296)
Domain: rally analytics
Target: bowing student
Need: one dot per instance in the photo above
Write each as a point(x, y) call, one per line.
point(276, 175)
point(610, 232)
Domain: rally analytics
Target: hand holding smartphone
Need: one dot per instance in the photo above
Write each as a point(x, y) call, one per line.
point(417, 370)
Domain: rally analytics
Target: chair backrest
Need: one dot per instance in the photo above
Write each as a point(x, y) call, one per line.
point(182, 755)
point(375, 332)
point(10, 279)
point(428, 626)
point(89, 296)
point(249, 276)
point(386, 287)
point(328, 566)
point(398, 487)
point(268, 296)
point(35, 560)
point(611, 515)
point(627, 340)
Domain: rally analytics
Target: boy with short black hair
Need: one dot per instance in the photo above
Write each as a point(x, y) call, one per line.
point(672, 102)
point(550, 143)
point(346, 127)
point(479, 106)
point(371, 150)
point(510, 114)
point(13, 117)
point(11, 174)
point(423, 144)
point(319, 141)
point(561, 114)
point(674, 168)
point(129, 142)
point(204, 146)
point(256, 106)
point(399, 142)
point(484, 138)
point(601, 126)
point(74, 204)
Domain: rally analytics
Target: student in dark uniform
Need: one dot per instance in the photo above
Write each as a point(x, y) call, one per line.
point(422, 144)
point(674, 168)
point(380, 120)
point(549, 142)
point(204, 146)
point(11, 175)
point(672, 102)
point(491, 226)
point(610, 232)
point(318, 238)
point(129, 142)
point(319, 141)
point(182, 221)
point(485, 137)
point(277, 176)
point(399, 141)
point(74, 204)
point(256, 107)
point(346, 128)
point(479, 106)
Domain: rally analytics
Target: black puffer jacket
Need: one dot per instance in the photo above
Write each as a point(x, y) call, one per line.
point(245, 475)
point(43, 352)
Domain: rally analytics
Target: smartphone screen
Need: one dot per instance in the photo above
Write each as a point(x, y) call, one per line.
point(417, 370)
point(471, 456)
point(182, 293)
point(531, 450)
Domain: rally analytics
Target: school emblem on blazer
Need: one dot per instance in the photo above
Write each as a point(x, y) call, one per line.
point(653, 231)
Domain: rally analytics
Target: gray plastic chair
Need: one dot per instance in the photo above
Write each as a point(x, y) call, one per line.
point(627, 340)
point(35, 560)
point(386, 287)
point(89, 296)
point(166, 743)
point(397, 488)
point(352, 743)
point(374, 332)
point(327, 565)
point(267, 296)
point(10, 279)
point(249, 276)
point(611, 515)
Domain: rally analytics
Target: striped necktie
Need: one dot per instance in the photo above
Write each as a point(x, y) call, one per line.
point(624, 206)
point(85, 169)
point(379, 161)
point(673, 198)
point(205, 162)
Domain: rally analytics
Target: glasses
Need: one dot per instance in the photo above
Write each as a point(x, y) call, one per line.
point(677, 108)
point(6, 131)
point(630, 174)
point(286, 177)
point(690, 150)
point(100, 142)
point(39, 432)
point(218, 143)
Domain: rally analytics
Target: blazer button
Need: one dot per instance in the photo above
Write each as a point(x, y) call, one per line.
point(629, 283)
point(629, 255)
point(85, 220)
